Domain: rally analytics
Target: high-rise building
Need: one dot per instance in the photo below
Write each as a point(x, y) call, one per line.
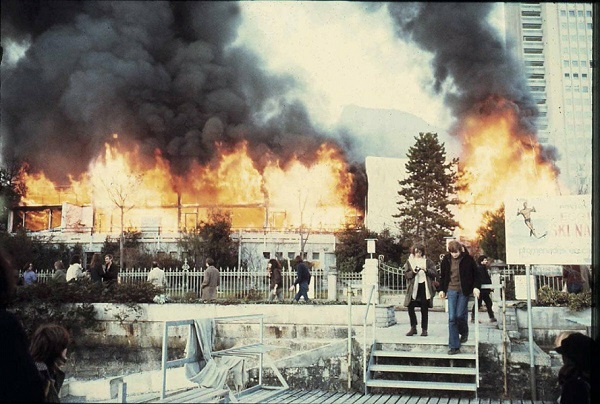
point(554, 41)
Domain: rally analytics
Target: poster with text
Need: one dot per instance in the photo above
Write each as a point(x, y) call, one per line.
point(549, 230)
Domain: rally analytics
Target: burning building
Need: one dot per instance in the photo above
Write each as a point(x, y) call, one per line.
point(148, 115)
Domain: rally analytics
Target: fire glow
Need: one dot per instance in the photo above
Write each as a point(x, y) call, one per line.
point(498, 162)
point(281, 195)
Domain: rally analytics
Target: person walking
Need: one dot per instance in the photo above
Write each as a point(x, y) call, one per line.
point(110, 273)
point(302, 280)
point(49, 351)
point(156, 276)
point(59, 274)
point(211, 281)
point(95, 269)
point(484, 294)
point(75, 270)
point(420, 273)
point(276, 280)
point(574, 377)
point(29, 277)
point(459, 279)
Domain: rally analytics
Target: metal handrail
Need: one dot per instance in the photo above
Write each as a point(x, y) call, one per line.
point(365, 337)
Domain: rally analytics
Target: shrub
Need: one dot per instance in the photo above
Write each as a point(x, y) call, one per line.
point(574, 301)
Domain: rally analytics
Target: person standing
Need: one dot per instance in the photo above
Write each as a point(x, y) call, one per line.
point(276, 280)
point(20, 380)
point(75, 270)
point(211, 281)
point(573, 279)
point(110, 273)
point(484, 294)
point(29, 277)
point(156, 276)
point(302, 280)
point(420, 273)
point(459, 279)
point(95, 269)
point(59, 274)
point(49, 350)
point(574, 377)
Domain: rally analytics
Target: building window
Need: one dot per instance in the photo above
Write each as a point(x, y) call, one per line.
point(537, 76)
point(575, 63)
point(532, 38)
point(584, 75)
point(588, 13)
point(291, 255)
point(538, 63)
point(530, 13)
point(565, 63)
point(572, 13)
point(563, 13)
point(315, 255)
point(266, 254)
point(532, 51)
point(584, 89)
point(575, 75)
point(567, 75)
point(580, 13)
point(537, 88)
point(528, 25)
point(589, 25)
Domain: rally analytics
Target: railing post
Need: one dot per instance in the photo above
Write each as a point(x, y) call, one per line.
point(332, 284)
point(184, 282)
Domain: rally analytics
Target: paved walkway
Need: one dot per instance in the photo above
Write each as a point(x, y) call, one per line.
point(437, 331)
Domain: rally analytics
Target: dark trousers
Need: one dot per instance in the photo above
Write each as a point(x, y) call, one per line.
point(421, 302)
point(302, 291)
point(484, 297)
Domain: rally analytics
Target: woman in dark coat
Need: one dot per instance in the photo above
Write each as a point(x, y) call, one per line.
point(95, 269)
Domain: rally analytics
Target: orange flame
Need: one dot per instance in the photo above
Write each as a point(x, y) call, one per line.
point(280, 195)
point(499, 162)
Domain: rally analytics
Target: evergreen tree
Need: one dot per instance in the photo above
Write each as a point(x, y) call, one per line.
point(426, 195)
point(491, 235)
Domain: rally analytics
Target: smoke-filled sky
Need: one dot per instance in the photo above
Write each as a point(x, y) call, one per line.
point(180, 76)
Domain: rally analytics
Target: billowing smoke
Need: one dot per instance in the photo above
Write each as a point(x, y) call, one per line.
point(160, 74)
point(471, 64)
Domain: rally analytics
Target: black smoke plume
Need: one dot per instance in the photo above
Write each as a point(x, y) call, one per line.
point(471, 63)
point(162, 75)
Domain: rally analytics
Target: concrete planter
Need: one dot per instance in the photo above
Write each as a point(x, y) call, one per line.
point(548, 322)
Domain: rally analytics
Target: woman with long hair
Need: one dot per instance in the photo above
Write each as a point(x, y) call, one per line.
point(49, 351)
point(420, 273)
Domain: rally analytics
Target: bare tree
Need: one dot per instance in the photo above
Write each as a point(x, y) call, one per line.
point(121, 192)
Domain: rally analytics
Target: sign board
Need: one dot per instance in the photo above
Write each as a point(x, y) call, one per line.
point(550, 230)
point(521, 287)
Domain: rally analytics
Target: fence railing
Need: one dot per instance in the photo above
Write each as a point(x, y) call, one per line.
point(254, 285)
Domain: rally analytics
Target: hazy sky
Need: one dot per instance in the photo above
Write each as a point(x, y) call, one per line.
point(344, 55)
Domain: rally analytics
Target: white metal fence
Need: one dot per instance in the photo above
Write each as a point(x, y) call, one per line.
point(255, 284)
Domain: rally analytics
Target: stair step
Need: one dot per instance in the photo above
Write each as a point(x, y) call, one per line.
point(455, 370)
point(422, 354)
point(398, 384)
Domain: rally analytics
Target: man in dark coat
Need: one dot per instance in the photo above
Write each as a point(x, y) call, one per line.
point(302, 279)
point(459, 279)
point(111, 271)
point(484, 297)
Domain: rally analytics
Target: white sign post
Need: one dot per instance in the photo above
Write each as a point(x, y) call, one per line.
point(547, 230)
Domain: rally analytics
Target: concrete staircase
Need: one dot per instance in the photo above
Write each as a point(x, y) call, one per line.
point(421, 366)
